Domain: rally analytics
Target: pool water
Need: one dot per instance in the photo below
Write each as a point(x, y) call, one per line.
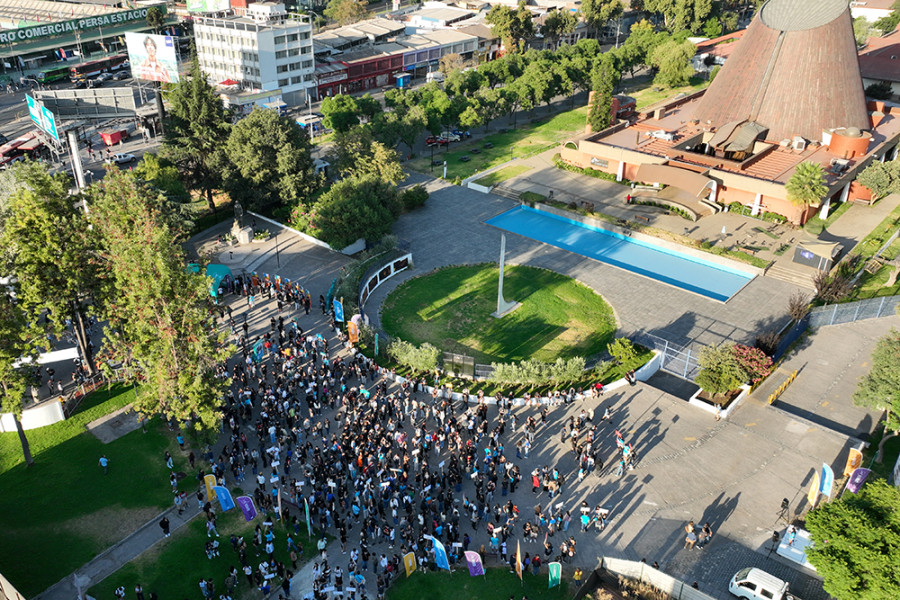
point(690, 273)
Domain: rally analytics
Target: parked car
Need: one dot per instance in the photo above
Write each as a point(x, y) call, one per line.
point(461, 133)
point(104, 77)
point(451, 136)
point(120, 159)
point(121, 75)
point(756, 584)
point(436, 141)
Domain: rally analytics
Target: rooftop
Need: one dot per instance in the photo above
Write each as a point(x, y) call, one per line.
point(800, 15)
point(447, 13)
point(881, 64)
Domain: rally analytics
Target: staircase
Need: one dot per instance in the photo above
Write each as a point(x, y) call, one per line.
point(798, 276)
point(506, 192)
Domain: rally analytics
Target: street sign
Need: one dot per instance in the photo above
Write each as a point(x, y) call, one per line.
point(42, 117)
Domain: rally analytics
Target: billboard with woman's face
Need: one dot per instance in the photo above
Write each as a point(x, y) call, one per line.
point(152, 57)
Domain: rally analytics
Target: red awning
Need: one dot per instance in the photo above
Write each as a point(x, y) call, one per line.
point(229, 82)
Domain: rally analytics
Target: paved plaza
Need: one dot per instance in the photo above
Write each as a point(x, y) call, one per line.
point(732, 473)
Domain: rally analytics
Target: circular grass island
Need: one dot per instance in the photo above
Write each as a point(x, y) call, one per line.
point(451, 309)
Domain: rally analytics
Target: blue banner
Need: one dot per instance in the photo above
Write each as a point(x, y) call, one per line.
point(827, 480)
point(440, 555)
point(338, 311)
point(224, 498)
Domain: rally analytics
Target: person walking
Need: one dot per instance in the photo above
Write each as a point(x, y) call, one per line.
point(164, 525)
point(104, 462)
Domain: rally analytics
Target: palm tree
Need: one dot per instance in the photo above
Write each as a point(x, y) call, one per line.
point(807, 185)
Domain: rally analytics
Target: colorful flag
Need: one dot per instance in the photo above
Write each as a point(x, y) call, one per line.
point(376, 344)
point(409, 563)
point(440, 555)
point(857, 479)
point(853, 461)
point(308, 522)
point(519, 560)
point(827, 480)
point(224, 497)
point(210, 482)
point(555, 574)
point(814, 489)
point(280, 514)
point(473, 561)
point(353, 332)
point(247, 507)
point(338, 311)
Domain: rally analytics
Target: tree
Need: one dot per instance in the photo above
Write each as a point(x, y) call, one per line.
point(52, 248)
point(513, 26)
point(673, 62)
point(411, 125)
point(341, 112)
point(681, 15)
point(638, 48)
point(557, 24)
point(270, 161)
point(155, 18)
point(17, 340)
point(712, 28)
point(880, 387)
point(345, 12)
point(355, 207)
point(604, 77)
point(489, 104)
point(863, 30)
point(160, 324)
point(719, 370)
point(882, 178)
point(450, 63)
point(880, 90)
point(163, 175)
point(807, 185)
point(368, 107)
point(597, 13)
point(195, 132)
point(856, 538)
point(889, 23)
point(356, 153)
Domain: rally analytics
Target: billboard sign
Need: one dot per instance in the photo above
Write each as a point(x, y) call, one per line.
point(152, 57)
point(208, 5)
point(23, 34)
point(42, 117)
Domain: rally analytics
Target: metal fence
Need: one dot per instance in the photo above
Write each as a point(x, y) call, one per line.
point(460, 364)
point(678, 360)
point(675, 588)
point(836, 314)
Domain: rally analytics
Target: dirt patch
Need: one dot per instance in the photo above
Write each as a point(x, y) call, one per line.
point(111, 524)
point(111, 427)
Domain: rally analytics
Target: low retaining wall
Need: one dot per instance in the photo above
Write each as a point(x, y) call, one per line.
point(671, 246)
point(675, 588)
point(695, 401)
point(47, 413)
point(357, 246)
point(381, 275)
point(479, 188)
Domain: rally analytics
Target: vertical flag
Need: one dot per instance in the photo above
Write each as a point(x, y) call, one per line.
point(473, 561)
point(409, 563)
point(210, 482)
point(519, 560)
point(814, 489)
point(224, 497)
point(280, 514)
point(353, 332)
point(440, 555)
point(338, 311)
point(827, 480)
point(308, 522)
point(376, 344)
point(555, 574)
point(854, 461)
point(857, 479)
point(247, 507)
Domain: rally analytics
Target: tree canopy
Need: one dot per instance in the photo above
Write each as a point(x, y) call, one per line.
point(356, 207)
point(513, 25)
point(879, 389)
point(18, 339)
point(269, 161)
point(673, 62)
point(882, 178)
point(346, 12)
point(807, 185)
point(856, 540)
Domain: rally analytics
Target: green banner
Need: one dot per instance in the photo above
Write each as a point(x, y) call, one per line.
point(22, 34)
point(555, 574)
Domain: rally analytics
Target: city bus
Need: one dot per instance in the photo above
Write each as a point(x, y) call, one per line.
point(95, 67)
point(54, 74)
point(26, 146)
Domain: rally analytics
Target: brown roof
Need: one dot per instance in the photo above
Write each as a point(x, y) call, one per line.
point(795, 71)
point(882, 64)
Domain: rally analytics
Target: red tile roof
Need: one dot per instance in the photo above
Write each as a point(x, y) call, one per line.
point(881, 63)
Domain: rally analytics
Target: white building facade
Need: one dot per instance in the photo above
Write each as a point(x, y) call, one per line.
point(264, 49)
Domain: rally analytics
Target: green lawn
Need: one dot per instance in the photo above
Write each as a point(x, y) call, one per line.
point(451, 308)
point(497, 584)
point(526, 140)
point(173, 567)
point(652, 94)
point(59, 513)
point(816, 226)
point(495, 177)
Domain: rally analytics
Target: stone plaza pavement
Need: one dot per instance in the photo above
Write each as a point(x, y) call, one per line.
point(732, 473)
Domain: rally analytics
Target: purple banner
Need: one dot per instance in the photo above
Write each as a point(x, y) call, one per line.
point(473, 561)
point(246, 504)
point(857, 478)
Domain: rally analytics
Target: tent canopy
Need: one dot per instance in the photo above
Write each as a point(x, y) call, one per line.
point(821, 249)
point(691, 182)
point(216, 271)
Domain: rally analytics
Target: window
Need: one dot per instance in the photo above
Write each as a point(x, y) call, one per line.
point(283, 82)
point(307, 64)
point(304, 35)
point(281, 54)
point(279, 40)
point(283, 68)
point(296, 80)
point(292, 37)
point(766, 593)
point(293, 52)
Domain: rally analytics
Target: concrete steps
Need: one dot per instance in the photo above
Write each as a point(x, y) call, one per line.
point(506, 192)
point(798, 276)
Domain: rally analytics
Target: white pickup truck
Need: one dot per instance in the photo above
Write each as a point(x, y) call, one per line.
point(756, 584)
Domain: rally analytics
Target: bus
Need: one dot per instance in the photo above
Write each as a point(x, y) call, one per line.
point(54, 74)
point(26, 146)
point(95, 67)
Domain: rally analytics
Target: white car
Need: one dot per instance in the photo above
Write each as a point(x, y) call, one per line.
point(120, 159)
point(450, 136)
